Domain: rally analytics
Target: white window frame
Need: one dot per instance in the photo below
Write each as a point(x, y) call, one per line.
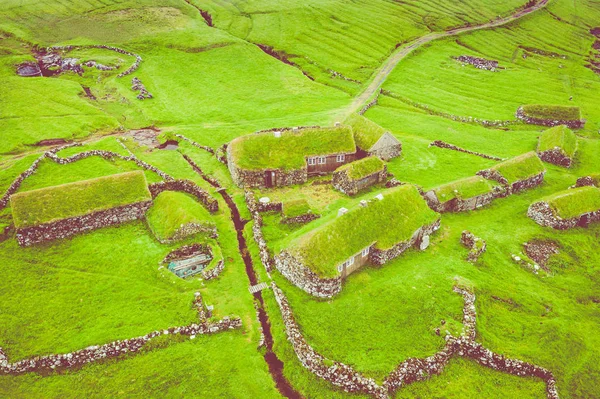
point(350, 261)
point(340, 158)
point(312, 161)
point(365, 251)
point(322, 160)
point(341, 267)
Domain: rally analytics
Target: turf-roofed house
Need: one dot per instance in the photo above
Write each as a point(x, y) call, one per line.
point(62, 211)
point(372, 139)
point(463, 195)
point(557, 145)
point(567, 209)
point(374, 232)
point(517, 174)
point(287, 157)
point(359, 175)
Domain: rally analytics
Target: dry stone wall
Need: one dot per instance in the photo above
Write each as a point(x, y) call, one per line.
point(541, 213)
point(81, 224)
point(304, 278)
point(186, 186)
point(442, 144)
point(556, 156)
point(259, 238)
point(381, 257)
point(344, 183)
point(573, 124)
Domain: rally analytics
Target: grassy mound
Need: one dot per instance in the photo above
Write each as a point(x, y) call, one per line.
point(31, 208)
point(363, 167)
point(554, 112)
point(520, 168)
point(366, 132)
point(295, 208)
point(172, 210)
point(385, 222)
point(575, 202)
point(288, 152)
point(558, 137)
point(464, 188)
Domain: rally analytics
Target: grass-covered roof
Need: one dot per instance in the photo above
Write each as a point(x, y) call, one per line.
point(558, 137)
point(464, 188)
point(520, 168)
point(366, 132)
point(50, 204)
point(384, 222)
point(289, 152)
point(363, 167)
point(554, 112)
point(295, 208)
point(574, 202)
point(172, 210)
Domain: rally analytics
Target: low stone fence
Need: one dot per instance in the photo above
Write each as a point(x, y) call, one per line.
point(137, 85)
point(368, 106)
point(304, 278)
point(186, 186)
point(214, 272)
point(259, 238)
point(573, 124)
point(269, 207)
point(442, 144)
point(202, 147)
point(76, 225)
point(556, 156)
point(44, 364)
point(541, 213)
point(420, 238)
point(515, 187)
point(301, 219)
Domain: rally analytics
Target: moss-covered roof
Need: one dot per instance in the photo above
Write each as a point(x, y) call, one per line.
point(172, 210)
point(363, 167)
point(366, 132)
point(520, 168)
point(554, 112)
point(464, 188)
point(574, 202)
point(386, 222)
point(558, 137)
point(289, 152)
point(50, 204)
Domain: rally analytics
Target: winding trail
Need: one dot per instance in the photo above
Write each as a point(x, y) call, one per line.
point(401, 52)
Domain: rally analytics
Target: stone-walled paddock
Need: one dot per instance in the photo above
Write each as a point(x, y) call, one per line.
point(304, 278)
point(81, 224)
point(573, 124)
point(541, 213)
point(344, 183)
point(557, 157)
point(412, 369)
point(186, 186)
point(420, 239)
point(51, 363)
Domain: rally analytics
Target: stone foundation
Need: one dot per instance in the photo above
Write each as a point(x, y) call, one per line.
point(81, 224)
point(557, 157)
point(344, 183)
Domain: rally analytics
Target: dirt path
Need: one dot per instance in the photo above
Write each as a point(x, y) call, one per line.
point(400, 53)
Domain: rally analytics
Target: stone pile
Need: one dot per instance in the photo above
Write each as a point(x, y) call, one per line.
point(44, 364)
point(476, 245)
point(442, 144)
point(137, 85)
point(479, 63)
point(540, 251)
point(185, 186)
point(573, 124)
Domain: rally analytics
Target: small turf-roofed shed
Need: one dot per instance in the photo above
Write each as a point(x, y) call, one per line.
point(289, 157)
point(61, 211)
point(567, 209)
point(374, 139)
point(557, 145)
point(551, 115)
point(359, 175)
point(517, 174)
point(462, 195)
point(375, 233)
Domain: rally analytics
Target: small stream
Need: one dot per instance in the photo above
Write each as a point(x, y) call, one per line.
point(274, 363)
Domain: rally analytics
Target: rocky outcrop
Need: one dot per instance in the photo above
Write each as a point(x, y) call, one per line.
point(479, 63)
point(476, 245)
point(81, 224)
point(442, 144)
point(188, 187)
point(301, 276)
point(573, 124)
point(541, 213)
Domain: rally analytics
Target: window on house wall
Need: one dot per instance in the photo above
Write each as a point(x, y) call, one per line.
point(312, 161)
point(350, 261)
point(322, 160)
point(341, 158)
point(365, 252)
point(341, 267)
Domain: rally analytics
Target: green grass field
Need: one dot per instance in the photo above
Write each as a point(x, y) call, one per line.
point(216, 84)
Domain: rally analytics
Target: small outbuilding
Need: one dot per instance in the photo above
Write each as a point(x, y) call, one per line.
point(517, 174)
point(463, 195)
point(557, 145)
point(359, 175)
point(567, 209)
point(373, 139)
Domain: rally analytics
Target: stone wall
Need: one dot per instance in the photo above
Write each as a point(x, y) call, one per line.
point(460, 205)
point(381, 256)
point(556, 156)
point(542, 214)
point(477, 246)
point(442, 144)
point(301, 219)
point(188, 230)
point(388, 152)
point(259, 238)
point(573, 124)
point(215, 272)
point(527, 184)
point(304, 278)
point(81, 224)
point(186, 186)
point(344, 183)
point(479, 63)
